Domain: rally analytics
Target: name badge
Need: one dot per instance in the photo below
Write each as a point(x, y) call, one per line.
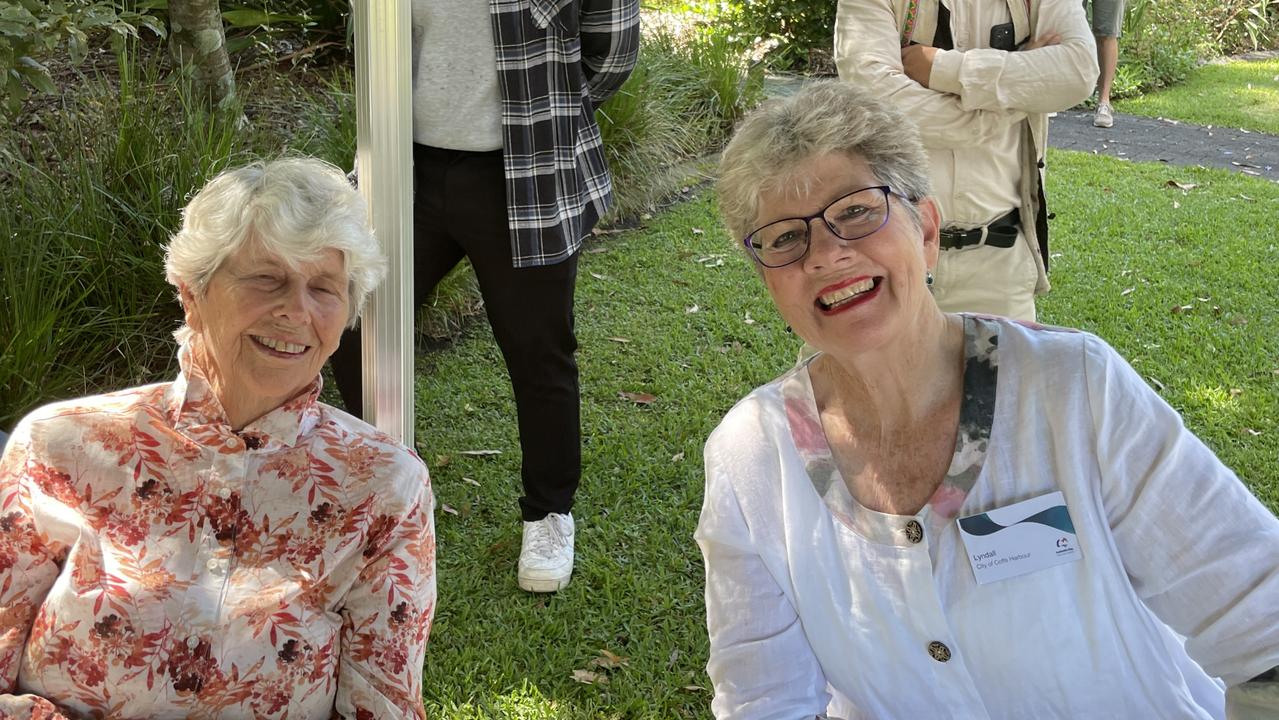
point(1030, 535)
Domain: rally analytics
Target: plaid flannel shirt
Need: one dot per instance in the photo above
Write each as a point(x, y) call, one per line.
point(558, 60)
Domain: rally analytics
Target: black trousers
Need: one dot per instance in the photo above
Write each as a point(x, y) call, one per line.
point(459, 210)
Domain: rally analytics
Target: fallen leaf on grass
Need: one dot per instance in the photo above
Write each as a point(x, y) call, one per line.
point(1236, 392)
point(692, 309)
point(749, 320)
point(442, 461)
point(597, 276)
point(620, 339)
point(609, 661)
point(471, 481)
point(607, 231)
point(670, 662)
point(597, 250)
point(693, 688)
point(1238, 320)
point(698, 231)
point(1176, 205)
point(677, 456)
point(480, 453)
point(1252, 432)
point(1155, 381)
point(1127, 291)
point(639, 398)
point(1178, 309)
point(1184, 187)
point(449, 509)
point(586, 677)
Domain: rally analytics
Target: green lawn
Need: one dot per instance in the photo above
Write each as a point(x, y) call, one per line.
point(673, 311)
point(1235, 94)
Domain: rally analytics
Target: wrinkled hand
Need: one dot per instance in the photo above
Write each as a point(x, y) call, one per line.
point(917, 62)
point(1048, 38)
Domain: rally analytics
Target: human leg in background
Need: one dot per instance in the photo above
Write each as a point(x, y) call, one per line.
point(531, 313)
point(435, 253)
point(1107, 22)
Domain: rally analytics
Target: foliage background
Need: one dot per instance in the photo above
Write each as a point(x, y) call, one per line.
point(95, 172)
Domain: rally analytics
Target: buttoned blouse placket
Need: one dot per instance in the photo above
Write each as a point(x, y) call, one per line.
point(229, 461)
point(223, 478)
point(905, 547)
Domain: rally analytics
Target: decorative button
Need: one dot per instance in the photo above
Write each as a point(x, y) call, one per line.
point(939, 651)
point(193, 642)
point(914, 531)
point(224, 492)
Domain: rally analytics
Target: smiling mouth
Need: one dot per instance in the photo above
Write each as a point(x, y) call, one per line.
point(847, 295)
point(281, 347)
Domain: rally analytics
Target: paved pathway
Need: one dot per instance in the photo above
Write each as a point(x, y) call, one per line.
point(1142, 138)
point(1170, 141)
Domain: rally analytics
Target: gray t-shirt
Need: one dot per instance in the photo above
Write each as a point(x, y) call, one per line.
point(456, 101)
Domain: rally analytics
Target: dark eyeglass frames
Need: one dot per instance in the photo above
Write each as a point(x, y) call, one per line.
point(851, 217)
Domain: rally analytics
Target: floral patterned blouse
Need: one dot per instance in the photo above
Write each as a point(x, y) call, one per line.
point(156, 564)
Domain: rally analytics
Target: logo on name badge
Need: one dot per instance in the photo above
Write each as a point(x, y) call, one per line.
point(1020, 538)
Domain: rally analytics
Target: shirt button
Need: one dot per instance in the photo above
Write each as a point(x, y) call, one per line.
point(224, 492)
point(939, 651)
point(193, 642)
point(914, 531)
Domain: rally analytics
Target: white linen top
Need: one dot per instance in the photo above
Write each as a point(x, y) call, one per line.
point(816, 604)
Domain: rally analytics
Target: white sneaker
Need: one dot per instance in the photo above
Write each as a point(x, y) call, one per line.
point(1104, 117)
point(546, 555)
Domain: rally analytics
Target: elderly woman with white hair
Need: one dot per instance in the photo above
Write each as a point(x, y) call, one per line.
point(225, 545)
point(951, 516)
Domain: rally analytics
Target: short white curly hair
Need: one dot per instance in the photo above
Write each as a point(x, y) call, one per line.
point(296, 208)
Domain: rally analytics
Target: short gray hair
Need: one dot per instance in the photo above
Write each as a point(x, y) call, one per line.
point(295, 207)
point(825, 117)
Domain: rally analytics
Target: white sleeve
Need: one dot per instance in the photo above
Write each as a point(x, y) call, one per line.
point(761, 664)
point(1034, 81)
point(868, 52)
point(1200, 550)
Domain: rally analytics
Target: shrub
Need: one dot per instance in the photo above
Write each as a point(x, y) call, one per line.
point(681, 101)
point(87, 208)
point(33, 29)
point(797, 27)
point(1164, 39)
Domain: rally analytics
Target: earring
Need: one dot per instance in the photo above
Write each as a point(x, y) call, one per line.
point(928, 278)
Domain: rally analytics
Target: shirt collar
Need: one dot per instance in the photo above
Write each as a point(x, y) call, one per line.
point(196, 412)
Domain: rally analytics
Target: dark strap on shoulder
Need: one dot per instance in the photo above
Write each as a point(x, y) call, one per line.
point(942, 39)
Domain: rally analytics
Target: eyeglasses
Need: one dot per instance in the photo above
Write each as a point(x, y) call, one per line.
point(851, 217)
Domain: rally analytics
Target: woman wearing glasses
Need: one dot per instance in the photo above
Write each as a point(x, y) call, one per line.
point(945, 515)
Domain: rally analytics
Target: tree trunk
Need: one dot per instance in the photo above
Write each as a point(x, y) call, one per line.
point(196, 38)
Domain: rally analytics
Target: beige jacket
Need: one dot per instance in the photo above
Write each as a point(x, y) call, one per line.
point(978, 97)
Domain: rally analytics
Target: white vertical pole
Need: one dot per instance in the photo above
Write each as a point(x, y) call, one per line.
point(384, 156)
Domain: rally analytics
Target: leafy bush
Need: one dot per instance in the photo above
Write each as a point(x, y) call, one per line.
point(87, 208)
point(681, 101)
point(1155, 50)
point(797, 27)
point(32, 29)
